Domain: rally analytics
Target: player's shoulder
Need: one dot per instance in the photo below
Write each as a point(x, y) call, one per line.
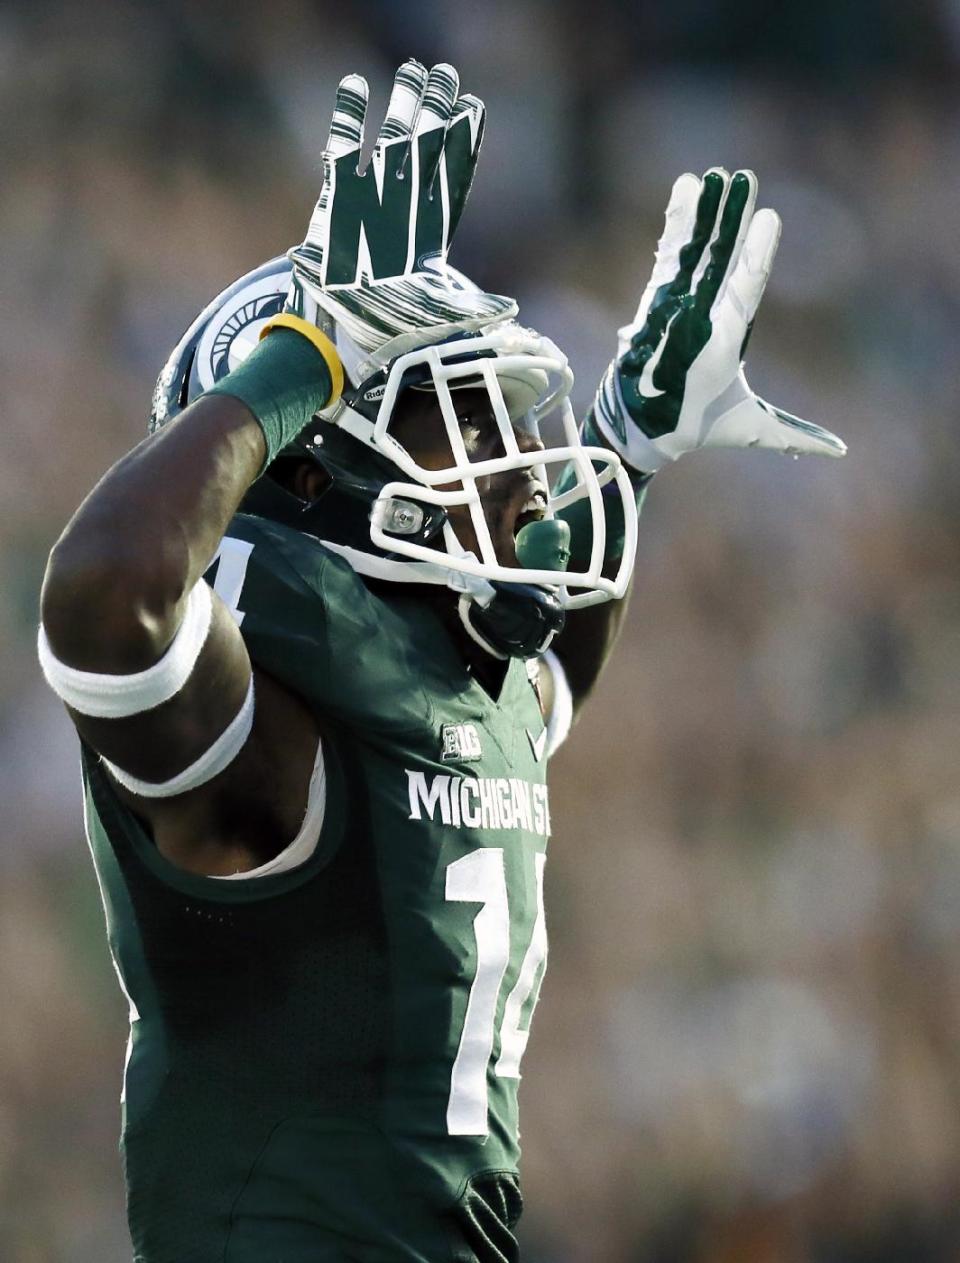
point(285, 587)
point(287, 575)
point(293, 556)
point(310, 621)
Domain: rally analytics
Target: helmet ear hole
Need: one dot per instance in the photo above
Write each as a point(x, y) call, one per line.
point(308, 479)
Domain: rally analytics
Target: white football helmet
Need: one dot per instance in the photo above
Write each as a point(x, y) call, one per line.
point(409, 536)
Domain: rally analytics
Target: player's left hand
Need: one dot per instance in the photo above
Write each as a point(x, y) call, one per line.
point(677, 382)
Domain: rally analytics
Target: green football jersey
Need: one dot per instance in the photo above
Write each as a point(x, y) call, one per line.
point(323, 1062)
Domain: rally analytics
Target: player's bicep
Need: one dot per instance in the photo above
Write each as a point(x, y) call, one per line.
point(175, 725)
point(189, 739)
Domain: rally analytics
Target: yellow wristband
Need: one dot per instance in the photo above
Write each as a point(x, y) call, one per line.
point(286, 320)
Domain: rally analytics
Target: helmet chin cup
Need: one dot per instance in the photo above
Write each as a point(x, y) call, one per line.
point(518, 621)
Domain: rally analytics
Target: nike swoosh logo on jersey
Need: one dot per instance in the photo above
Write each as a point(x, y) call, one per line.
point(645, 386)
point(537, 744)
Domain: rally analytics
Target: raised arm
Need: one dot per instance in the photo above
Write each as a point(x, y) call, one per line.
point(677, 381)
point(148, 660)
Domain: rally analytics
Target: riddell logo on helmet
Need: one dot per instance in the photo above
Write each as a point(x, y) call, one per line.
point(374, 393)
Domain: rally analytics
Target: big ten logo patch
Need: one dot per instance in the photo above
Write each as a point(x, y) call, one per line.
point(459, 743)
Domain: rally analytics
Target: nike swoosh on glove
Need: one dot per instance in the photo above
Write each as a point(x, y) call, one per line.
point(677, 383)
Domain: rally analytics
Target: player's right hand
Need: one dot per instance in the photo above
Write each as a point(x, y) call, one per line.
point(375, 254)
point(677, 382)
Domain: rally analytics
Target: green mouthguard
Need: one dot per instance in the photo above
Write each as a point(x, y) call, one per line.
point(544, 545)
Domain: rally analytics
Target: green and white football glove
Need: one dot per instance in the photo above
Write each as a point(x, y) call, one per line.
point(375, 254)
point(677, 382)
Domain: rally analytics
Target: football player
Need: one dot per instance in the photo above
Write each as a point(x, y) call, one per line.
point(320, 634)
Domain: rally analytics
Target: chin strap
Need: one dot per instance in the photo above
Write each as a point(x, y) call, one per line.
point(519, 621)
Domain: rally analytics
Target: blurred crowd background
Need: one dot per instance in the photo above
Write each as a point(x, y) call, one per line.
point(748, 1046)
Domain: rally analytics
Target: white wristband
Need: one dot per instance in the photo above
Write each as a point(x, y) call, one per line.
point(210, 764)
point(118, 696)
